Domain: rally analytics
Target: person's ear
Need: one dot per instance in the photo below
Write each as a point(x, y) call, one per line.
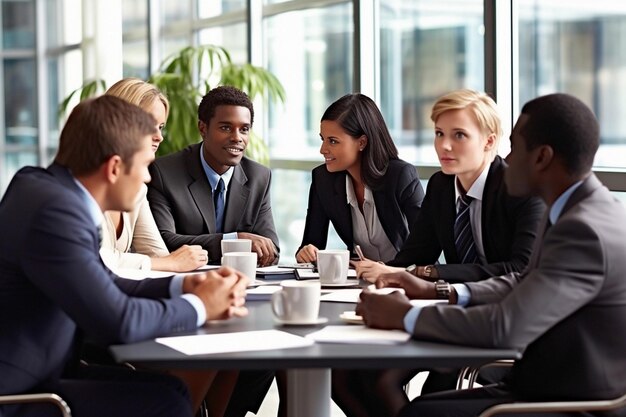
point(490, 142)
point(362, 142)
point(544, 155)
point(113, 168)
point(202, 127)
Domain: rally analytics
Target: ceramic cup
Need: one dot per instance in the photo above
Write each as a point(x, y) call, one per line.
point(244, 262)
point(297, 301)
point(333, 266)
point(236, 245)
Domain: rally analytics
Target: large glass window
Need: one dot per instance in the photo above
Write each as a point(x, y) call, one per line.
point(136, 60)
point(20, 94)
point(18, 24)
point(428, 48)
point(579, 48)
point(311, 53)
point(232, 37)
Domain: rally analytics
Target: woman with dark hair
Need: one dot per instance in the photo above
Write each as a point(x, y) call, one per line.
point(370, 195)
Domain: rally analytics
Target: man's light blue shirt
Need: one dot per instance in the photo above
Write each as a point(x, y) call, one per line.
point(176, 284)
point(213, 178)
point(462, 291)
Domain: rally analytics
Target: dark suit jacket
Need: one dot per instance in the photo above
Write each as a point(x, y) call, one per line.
point(508, 229)
point(567, 311)
point(52, 281)
point(181, 201)
point(397, 203)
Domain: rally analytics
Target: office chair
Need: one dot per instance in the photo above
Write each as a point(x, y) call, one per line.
point(471, 373)
point(556, 406)
point(38, 398)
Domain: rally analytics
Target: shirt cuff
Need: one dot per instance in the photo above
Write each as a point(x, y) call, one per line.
point(229, 236)
point(197, 305)
point(463, 295)
point(410, 318)
point(176, 290)
point(176, 286)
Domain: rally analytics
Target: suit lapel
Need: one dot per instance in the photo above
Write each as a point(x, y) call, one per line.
point(200, 189)
point(237, 199)
point(343, 225)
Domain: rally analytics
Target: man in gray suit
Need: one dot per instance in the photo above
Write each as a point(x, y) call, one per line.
point(209, 191)
point(567, 310)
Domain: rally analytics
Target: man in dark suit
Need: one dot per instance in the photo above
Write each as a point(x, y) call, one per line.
point(567, 310)
point(184, 191)
point(54, 287)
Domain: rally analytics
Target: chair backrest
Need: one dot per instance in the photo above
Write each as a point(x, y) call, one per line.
point(564, 406)
point(38, 398)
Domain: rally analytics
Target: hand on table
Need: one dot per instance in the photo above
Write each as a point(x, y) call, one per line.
point(263, 246)
point(306, 254)
point(370, 270)
point(223, 292)
point(383, 311)
point(413, 286)
point(186, 258)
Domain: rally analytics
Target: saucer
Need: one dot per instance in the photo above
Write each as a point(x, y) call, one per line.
point(319, 320)
point(351, 317)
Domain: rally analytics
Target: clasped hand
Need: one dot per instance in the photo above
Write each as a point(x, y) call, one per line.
point(222, 291)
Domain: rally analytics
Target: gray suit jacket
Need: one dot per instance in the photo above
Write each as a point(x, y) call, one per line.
point(181, 201)
point(567, 310)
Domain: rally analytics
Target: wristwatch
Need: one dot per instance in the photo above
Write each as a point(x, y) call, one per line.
point(428, 271)
point(411, 269)
point(442, 289)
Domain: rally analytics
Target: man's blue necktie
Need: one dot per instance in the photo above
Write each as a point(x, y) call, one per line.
point(463, 237)
point(218, 203)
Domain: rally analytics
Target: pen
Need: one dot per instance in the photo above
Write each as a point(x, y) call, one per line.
point(359, 252)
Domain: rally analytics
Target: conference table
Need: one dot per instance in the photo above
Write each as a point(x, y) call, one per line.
point(308, 368)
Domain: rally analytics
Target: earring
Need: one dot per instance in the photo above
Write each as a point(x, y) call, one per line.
point(360, 149)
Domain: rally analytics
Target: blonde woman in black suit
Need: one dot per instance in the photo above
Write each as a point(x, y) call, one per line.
point(369, 195)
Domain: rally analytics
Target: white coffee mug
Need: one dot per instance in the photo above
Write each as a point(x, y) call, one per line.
point(236, 245)
point(244, 262)
point(333, 266)
point(297, 301)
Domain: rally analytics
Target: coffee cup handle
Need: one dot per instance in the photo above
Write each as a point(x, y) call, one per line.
point(337, 267)
point(279, 305)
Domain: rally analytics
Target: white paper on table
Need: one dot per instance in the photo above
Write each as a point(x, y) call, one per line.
point(358, 334)
point(234, 342)
point(274, 270)
point(352, 295)
point(263, 292)
point(305, 273)
point(139, 274)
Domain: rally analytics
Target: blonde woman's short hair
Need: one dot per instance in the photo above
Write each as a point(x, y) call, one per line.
point(139, 93)
point(480, 104)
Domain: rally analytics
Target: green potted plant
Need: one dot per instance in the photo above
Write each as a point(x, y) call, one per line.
point(184, 78)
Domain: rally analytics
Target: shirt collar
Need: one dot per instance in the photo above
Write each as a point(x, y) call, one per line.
point(95, 211)
point(557, 207)
point(213, 176)
point(477, 188)
point(351, 195)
